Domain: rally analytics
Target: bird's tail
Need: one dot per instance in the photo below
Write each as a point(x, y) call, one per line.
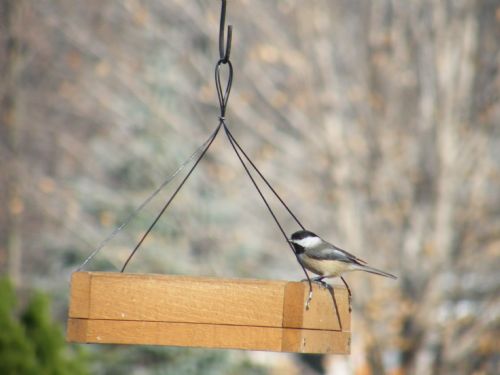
point(375, 271)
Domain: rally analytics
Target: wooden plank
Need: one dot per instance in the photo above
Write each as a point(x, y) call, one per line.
point(79, 306)
point(206, 312)
point(208, 336)
point(322, 313)
point(188, 299)
point(315, 341)
point(183, 299)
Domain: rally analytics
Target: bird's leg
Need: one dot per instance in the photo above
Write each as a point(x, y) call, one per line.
point(348, 291)
point(347, 286)
point(318, 280)
point(310, 296)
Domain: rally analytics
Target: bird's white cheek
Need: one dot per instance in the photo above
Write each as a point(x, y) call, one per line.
point(309, 242)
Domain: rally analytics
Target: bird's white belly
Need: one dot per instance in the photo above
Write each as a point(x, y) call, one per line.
point(327, 268)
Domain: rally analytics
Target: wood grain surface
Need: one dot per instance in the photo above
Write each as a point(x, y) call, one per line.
point(207, 312)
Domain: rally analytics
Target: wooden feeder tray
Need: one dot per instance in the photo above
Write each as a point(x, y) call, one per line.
point(146, 309)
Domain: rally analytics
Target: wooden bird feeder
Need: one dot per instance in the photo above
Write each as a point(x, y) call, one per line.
point(147, 309)
point(120, 308)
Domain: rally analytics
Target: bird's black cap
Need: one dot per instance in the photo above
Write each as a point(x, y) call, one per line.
point(300, 234)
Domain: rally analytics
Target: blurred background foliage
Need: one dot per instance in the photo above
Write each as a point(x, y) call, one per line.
point(376, 121)
point(30, 342)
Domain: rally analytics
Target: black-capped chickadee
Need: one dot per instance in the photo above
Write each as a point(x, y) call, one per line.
point(327, 260)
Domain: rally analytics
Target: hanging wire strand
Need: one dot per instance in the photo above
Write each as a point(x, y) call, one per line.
point(233, 144)
point(223, 96)
point(264, 179)
point(214, 135)
point(134, 213)
point(224, 54)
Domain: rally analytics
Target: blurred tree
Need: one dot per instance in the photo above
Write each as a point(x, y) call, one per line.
point(16, 351)
point(33, 344)
point(51, 351)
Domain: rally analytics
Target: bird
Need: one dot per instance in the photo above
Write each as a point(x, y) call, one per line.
point(326, 259)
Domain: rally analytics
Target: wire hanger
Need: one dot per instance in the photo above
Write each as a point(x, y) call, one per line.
point(223, 97)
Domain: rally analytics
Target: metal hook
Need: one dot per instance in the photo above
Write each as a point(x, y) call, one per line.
point(224, 52)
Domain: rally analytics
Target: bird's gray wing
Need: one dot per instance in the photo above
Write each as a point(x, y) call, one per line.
point(328, 251)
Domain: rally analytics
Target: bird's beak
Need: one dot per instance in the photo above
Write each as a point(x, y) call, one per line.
point(289, 240)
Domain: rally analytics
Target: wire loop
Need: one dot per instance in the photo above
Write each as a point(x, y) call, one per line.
point(223, 95)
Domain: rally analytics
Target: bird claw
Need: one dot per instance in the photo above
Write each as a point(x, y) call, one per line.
point(322, 284)
point(309, 298)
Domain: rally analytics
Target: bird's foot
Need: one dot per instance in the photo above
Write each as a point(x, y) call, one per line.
point(319, 280)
